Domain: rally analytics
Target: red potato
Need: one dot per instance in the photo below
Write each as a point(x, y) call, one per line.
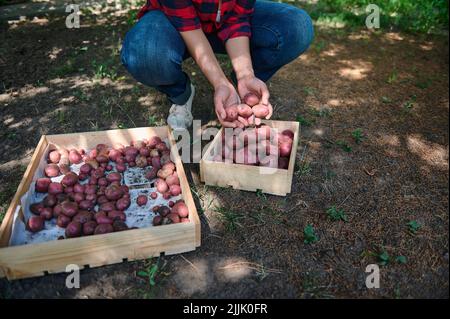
point(35, 224)
point(161, 186)
point(157, 220)
point(68, 189)
point(114, 155)
point(77, 197)
point(69, 209)
point(92, 163)
point(102, 181)
point(51, 170)
point(161, 146)
point(260, 111)
point(82, 177)
point(171, 203)
point(154, 153)
point(46, 213)
point(86, 204)
point(141, 161)
point(164, 173)
point(153, 141)
point(156, 162)
point(54, 157)
point(283, 162)
point(155, 209)
point(98, 173)
point(165, 158)
point(99, 147)
point(55, 188)
point(285, 149)
point(117, 215)
point(91, 197)
point(108, 168)
point(142, 200)
point(89, 228)
point(107, 207)
point(103, 229)
point(35, 208)
point(125, 189)
point(181, 209)
point(50, 200)
point(169, 165)
point(102, 159)
point(132, 164)
point(123, 203)
point(174, 218)
point(232, 113)
point(163, 211)
point(121, 168)
point(113, 192)
point(93, 180)
point(61, 197)
point(70, 179)
point(64, 168)
point(251, 99)
point(119, 225)
point(42, 184)
point(103, 220)
point(78, 188)
point(62, 221)
point(138, 144)
point(184, 220)
point(90, 189)
point(83, 216)
point(131, 151)
point(102, 199)
point(74, 156)
point(154, 195)
point(175, 190)
point(57, 210)
point(167, 195)
point(244, 110)
point(288, 133)
point(144, 151)
point(173, 180)
point(73, 230)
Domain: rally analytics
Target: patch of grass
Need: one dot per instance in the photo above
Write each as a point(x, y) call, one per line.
point(309, 90)
point(104, 70)
point(261, 195)
point(383, 257)
point(152, 121)
point(309, 234)
point(358, 135)
point(149, 272)
point(413, 226)
point(69, 67)
point(320, 113)
point(344, 146)
point(408, 105)
point(302, 120)
point(393, 77)
point(386, 100)
point(336, 214)
point(424, 84)
point(61, 117)
point(80, 95)
point(401, 259)
point(303, 169)
point(230, 218)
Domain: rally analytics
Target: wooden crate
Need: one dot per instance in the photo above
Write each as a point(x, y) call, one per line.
point(93, 251)
point(247, 177)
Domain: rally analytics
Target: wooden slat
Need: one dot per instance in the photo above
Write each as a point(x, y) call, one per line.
point(53, 256)
point(6, 226)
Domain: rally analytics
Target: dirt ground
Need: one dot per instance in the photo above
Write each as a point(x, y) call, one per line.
point(373, 108)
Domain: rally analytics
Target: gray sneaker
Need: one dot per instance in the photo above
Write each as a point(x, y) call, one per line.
point(180, 116)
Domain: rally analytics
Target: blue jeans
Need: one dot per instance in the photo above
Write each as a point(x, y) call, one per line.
point(153, 50)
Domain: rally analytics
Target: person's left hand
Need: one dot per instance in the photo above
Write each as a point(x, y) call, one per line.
point(251, 84)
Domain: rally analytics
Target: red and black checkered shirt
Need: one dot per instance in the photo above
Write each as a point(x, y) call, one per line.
point(186, 15)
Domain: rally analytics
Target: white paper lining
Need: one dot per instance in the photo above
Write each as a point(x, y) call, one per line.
point(136, 216)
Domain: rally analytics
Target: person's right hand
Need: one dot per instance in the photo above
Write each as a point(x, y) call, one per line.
point(225, 95)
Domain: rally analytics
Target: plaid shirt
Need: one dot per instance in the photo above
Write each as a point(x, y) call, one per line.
point(186, 15)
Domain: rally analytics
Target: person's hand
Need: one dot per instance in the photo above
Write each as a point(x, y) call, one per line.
point(251, 84)
point(225, 95)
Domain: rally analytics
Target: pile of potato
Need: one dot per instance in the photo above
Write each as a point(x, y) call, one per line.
point(94, 200)
point(248, 113)
point(259, 146)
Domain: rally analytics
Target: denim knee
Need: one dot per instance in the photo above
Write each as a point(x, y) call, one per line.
point(300, 34)
point(151, 59)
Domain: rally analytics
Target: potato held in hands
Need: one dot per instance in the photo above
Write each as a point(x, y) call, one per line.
point(232, 113)
point(260, 111)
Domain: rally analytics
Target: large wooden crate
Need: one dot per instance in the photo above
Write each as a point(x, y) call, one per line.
point(92, 251)
point(248, 177)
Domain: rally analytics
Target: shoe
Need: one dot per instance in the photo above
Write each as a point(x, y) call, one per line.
point(180, 116)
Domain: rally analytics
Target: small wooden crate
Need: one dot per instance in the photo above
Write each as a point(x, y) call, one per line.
point(247, 177)
point(92, 251)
